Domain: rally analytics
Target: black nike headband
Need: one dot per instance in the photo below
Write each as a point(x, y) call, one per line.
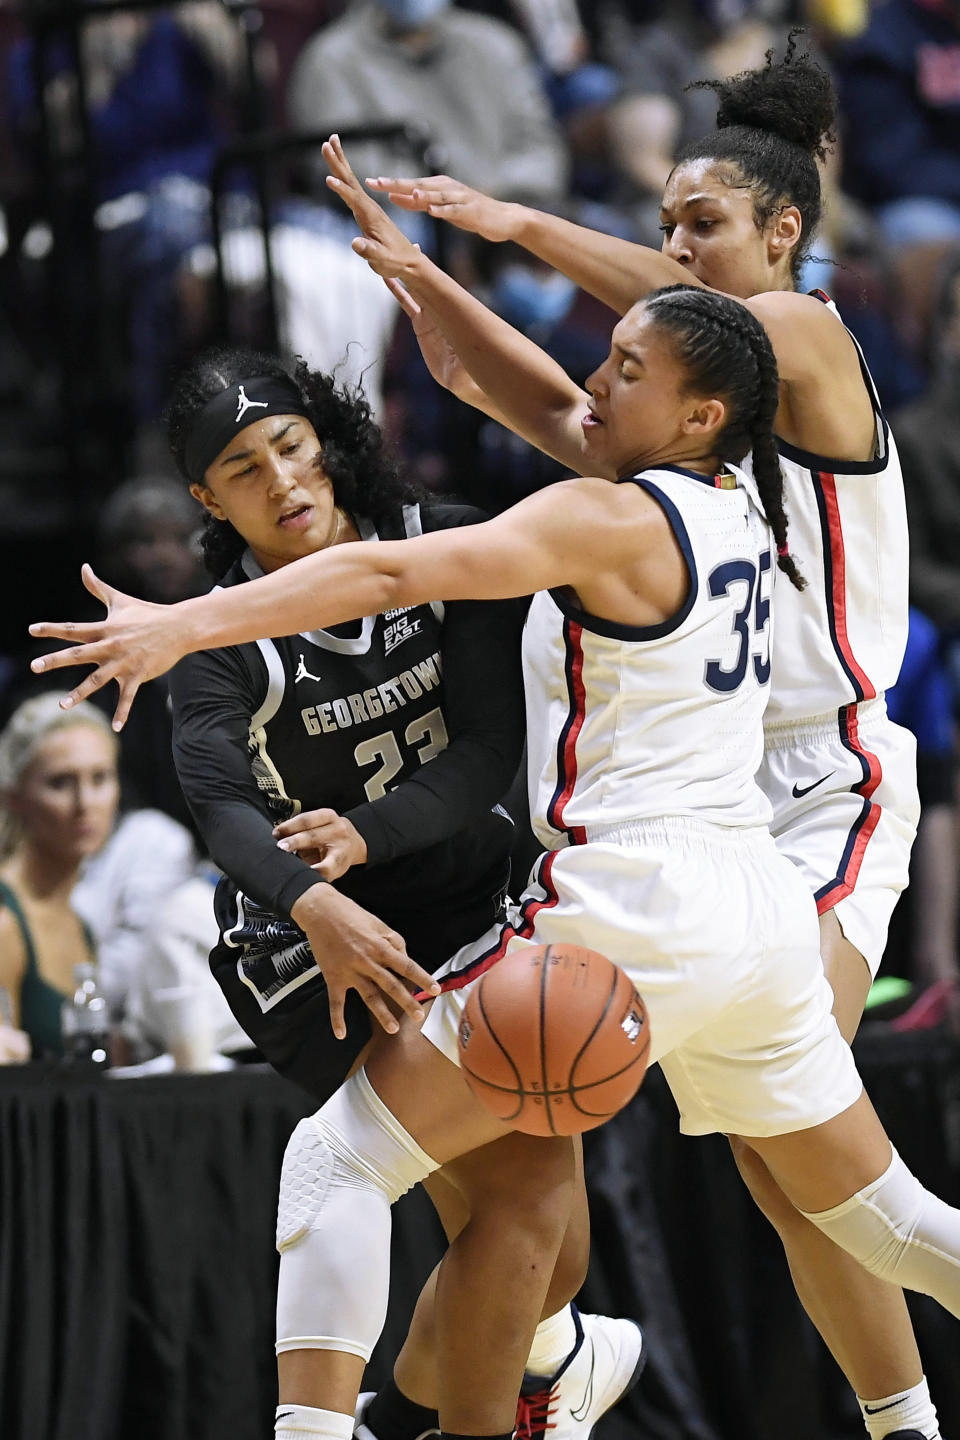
point(233, 410)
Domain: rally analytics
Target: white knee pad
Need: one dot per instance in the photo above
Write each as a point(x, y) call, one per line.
point(901, 1232)
point(342, 1170)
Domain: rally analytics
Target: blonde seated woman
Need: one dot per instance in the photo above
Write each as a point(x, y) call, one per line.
point(58, 793)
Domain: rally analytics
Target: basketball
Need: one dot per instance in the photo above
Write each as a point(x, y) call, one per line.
point(554, 1039)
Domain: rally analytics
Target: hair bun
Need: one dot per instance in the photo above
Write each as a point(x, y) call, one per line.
point(793, 97)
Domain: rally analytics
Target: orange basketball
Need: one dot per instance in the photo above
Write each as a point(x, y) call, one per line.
point(554, 1039)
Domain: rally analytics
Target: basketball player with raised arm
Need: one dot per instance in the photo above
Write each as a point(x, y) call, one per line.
point(346, 782)
point(646, 656)
point(738, 214)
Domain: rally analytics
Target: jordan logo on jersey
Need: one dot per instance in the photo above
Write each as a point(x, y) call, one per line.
point(243, 404)
point(302, 672)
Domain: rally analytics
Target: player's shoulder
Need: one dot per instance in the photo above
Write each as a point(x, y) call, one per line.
point(806, 333)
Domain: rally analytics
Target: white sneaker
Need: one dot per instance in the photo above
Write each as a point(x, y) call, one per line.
point(363, 1432)
point(604, 1367)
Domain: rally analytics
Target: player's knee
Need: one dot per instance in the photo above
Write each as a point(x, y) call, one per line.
point(892, 1227)
point(766, 1193)
point(352, 1143)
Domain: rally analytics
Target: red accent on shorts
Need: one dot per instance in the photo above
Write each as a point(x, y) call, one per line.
point(839, 596)
point(528, 916)
point(866, 823)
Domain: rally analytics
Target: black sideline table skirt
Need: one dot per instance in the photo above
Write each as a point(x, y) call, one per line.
point(137, 1267)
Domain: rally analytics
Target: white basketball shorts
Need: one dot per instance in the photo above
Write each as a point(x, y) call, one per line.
point(719, 935)
point(844, 792)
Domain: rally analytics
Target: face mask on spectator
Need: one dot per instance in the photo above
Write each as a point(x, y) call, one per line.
point(410, 14)
point(527, 298)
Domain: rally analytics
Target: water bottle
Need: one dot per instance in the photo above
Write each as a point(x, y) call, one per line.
point(85, 1019)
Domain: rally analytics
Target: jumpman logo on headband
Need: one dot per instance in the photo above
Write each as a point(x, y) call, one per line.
point(243, 404)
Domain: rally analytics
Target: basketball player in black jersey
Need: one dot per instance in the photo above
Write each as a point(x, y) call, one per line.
point(375, 754)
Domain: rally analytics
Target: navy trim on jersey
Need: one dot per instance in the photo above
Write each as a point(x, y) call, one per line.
point(710, 479)
point(809, 460)
point(610, 628)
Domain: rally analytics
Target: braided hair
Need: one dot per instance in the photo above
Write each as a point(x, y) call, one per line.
point(365, 479)
point(773, 124)
point(725, 352)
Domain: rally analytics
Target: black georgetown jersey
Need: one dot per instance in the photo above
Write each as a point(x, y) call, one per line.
point(410, 724)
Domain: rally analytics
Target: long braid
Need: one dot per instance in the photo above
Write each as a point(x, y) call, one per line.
point(726, 352)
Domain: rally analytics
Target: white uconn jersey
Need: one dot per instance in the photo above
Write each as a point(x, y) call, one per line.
point(627, 723)
point(842, 639)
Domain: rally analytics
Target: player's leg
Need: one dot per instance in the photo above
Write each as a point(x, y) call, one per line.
point(572, 1355)
point(863, 1321)
point(342, 1171)
point(405, 1407)
point(845, 1177)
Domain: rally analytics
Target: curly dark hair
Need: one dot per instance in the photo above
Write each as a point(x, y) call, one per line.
point(725, 351)
point(366, 479)
point(773, 124)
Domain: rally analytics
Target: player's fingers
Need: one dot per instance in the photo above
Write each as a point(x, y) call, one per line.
point(97, 587)
point(303, 840)
point(401, 294)
point(333, 864)
point(306, 820)
point(379, 1009)
point(128, 691)
point(405, 202)
point(84, 632)
point(87, 687)
point(336, 994)
point(408, 970)
point(398, 993)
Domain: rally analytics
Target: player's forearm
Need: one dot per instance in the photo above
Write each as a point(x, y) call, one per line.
point(523, 387)
point(616, 271)
point(339, 584)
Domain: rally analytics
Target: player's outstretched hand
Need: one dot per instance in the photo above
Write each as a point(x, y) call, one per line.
point(134, 643)
point(447, 199)
point(356, 951)
point(441, 359)
point(328, 842)
point(382, 244)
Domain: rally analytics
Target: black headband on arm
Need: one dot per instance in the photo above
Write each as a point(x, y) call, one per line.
point(233, 410)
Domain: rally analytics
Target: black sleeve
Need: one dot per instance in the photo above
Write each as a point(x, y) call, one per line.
point(214, 694)
point(483, 705)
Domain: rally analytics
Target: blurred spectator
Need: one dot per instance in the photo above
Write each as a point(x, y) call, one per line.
point(928, 438)
point(487, 464)
point(154, 84)
point(338, 315)
point(148, 536)
point(579, 87)
point(899, 85)
point(124, 887)
point(660, 50)
point(58, 789)
point(469, 81)
point(148, 544)
point(175, 1006)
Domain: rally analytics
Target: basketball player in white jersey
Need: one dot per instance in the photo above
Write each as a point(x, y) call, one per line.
point(738, 214)
point(648, 662)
